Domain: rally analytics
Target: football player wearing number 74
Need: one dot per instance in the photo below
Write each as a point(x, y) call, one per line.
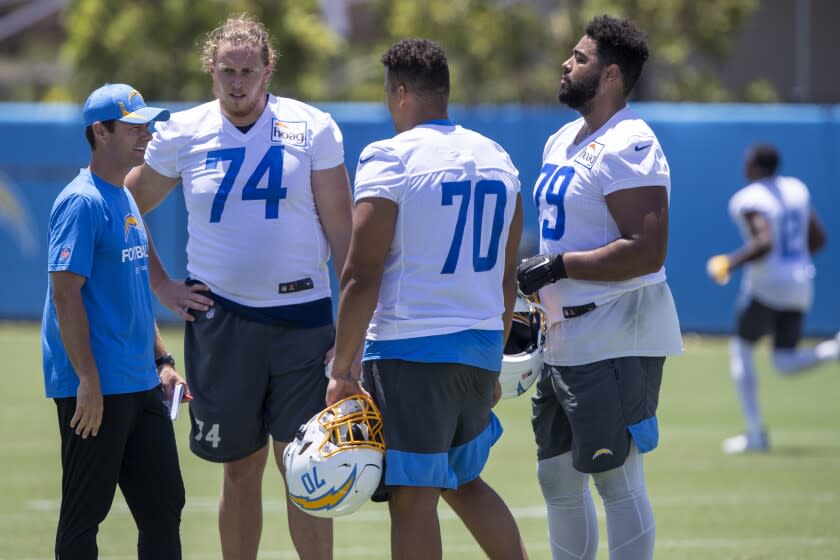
point(269, 200)
point(602, 198)
point(781, 231)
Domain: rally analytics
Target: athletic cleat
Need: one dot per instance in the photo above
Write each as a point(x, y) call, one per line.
point(746, 443)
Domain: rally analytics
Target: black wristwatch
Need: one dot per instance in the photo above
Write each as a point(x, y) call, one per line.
point(165, 359)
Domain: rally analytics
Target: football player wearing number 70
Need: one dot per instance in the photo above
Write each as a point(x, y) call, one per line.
point(781, 231)
point(602, 198)
point(430, 278)
point(269, 201)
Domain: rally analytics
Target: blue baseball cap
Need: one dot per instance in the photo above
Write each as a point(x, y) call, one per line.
point(120, 102)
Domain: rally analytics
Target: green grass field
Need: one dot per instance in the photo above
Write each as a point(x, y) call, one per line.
point(780, 505)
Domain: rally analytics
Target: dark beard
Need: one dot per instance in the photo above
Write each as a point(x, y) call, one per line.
point(576, 95)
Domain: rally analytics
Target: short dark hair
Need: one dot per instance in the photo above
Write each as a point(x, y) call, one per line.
point(109, 126)
point(421, 64)
point(620, 42)
point(764, 157)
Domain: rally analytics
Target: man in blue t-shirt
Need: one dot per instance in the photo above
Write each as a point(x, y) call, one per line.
point(105, 364)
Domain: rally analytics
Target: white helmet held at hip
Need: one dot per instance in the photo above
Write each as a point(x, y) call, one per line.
point(522, 360)
point(334, 463)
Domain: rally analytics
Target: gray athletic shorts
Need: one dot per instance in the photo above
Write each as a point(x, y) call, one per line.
point(436, 418)
point(250, 380)
point(594, 409)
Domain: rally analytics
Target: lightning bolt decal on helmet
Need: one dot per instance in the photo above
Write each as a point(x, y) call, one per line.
point(334, 463)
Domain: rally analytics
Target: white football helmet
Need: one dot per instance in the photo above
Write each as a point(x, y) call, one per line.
point(522, 360)
point(334, 463)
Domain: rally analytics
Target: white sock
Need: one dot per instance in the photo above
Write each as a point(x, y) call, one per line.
point(746, 385)
point(572, 523)
point(631, 529)
point(793, 361)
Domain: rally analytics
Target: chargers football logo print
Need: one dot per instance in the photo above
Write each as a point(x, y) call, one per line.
point(601, 453)
point(130, 222)
point(328, 499)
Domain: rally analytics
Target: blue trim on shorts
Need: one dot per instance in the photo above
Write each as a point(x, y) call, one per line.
point(460, 465)
point(468, 460)
point(473, 347)
point(645, 434)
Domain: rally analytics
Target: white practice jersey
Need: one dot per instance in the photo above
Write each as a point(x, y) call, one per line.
point(252, 220)
point(782, 279)
point(570, 195)
point(571, 192)
point(456, 194)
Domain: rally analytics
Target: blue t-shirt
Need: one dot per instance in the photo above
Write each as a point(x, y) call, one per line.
point(96, 231)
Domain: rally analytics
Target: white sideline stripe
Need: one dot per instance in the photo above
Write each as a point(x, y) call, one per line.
point(209, 504)
point(712, 543)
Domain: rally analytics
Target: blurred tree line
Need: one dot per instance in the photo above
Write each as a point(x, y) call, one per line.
point(500, 51)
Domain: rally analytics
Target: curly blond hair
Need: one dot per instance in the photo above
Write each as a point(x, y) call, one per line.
point(238, 28)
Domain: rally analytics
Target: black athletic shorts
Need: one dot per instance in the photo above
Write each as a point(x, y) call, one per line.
point(594, 410)
point(250, 380)
point(756, 320)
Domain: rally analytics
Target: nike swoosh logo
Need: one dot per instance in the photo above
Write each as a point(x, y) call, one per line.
point(640, 148)
point(367, 159)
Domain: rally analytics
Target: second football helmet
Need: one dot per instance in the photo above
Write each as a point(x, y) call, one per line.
point(522, 360)
point(334, 463)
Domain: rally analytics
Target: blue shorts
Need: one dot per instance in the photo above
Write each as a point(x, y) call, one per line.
point(436, 418)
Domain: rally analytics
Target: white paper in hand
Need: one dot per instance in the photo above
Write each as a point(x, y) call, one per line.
point(175, 403)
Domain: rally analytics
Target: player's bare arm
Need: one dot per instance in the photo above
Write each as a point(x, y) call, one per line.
point(641, 215)
point(75, 334)
point(174, 294)
point(149, 188)
point(373, 231)
point(511, 250)
point(816, 233)
point(509, 279)
point(334, 204)
point(760, 243)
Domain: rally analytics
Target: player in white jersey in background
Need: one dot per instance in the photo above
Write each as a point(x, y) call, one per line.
point(431, 277)
point(781, 231)
point(269, 201)
point(602, 198)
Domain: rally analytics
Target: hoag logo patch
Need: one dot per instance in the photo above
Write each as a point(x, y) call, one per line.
point(292, 133)
point(589, 154)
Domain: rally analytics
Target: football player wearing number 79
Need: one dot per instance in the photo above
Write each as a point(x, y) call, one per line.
point(431, 279)
point(781, 231)
point(268, 201)
point(602, 198)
